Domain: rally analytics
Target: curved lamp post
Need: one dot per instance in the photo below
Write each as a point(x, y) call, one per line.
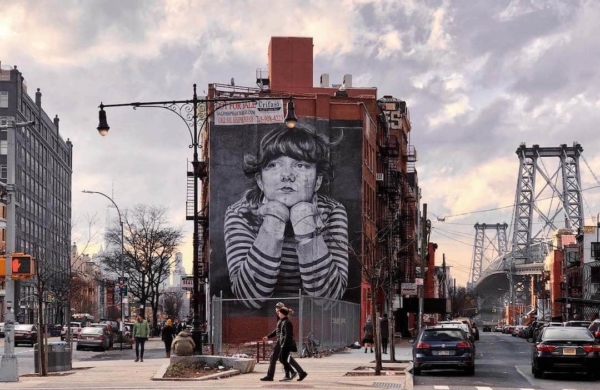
point(120, 257)
point(187, 110)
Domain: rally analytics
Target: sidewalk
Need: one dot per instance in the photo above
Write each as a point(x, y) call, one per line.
point(324, 373)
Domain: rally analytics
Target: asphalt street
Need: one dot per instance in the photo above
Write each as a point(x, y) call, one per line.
point(502, 362)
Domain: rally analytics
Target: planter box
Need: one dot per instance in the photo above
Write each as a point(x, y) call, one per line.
point(243, 365)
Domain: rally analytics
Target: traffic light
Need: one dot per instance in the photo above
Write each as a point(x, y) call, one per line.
point(22, 266)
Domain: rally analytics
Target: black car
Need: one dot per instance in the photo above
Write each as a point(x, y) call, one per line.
point(443, 348)
point(25, 334)
point(565, 349)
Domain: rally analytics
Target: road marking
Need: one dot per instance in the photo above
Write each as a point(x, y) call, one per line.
point(483, 388)
point(438, 387)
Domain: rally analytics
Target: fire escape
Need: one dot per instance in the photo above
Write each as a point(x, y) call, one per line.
point(408, 217)
point(203, 212)
point(388, 183)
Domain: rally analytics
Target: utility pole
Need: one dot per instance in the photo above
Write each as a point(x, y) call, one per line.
point(423, 262)
point(9, 369)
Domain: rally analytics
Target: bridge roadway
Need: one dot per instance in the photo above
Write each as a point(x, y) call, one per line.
point(494, 282)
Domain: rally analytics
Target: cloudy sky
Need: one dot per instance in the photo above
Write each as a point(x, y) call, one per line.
point(479, 77)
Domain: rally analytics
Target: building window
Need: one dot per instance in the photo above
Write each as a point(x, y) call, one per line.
point(595, 274)
point(4, 75)
point(3, 147)
point(3, 99)
point(3, 172)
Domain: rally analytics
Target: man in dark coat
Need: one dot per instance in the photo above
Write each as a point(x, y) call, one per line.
point(385, 332)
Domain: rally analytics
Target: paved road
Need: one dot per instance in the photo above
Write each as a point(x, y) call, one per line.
point(502, 362)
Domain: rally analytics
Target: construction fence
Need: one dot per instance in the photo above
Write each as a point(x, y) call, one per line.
point(237, 329)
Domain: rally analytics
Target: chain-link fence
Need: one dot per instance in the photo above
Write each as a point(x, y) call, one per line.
point(238, 329)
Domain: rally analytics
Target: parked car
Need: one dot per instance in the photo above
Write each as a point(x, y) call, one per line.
point(594, 328)
point(110, 334)
point(2, 328)
point(475, 330)
point(443, 348)
point(565, 349)
point(54, 330)
point(498, 328)
point(93, 337)
point(458, 324)
point(518, 330)
point(26, 334)
point(76, 328)
point(583, 324)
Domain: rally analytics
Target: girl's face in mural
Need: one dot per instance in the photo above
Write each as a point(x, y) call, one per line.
point(289, 181)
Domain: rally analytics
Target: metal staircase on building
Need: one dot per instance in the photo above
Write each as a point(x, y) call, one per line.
point(202, 214)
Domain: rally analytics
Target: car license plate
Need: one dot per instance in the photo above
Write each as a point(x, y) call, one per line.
point(90, 338)
point(569, 351)
point(442, 353)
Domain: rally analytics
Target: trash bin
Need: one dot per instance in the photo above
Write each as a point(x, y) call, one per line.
point(59, 357)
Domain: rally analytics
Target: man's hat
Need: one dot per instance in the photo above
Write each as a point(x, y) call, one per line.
point(279, 304)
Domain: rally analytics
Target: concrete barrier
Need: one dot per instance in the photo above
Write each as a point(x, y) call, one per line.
point(243, 365)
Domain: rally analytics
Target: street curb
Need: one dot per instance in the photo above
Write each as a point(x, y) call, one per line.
point(163, 369)
point(408, 377)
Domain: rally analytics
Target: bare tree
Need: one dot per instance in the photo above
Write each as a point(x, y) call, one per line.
point(173, 303)
point(148, 254)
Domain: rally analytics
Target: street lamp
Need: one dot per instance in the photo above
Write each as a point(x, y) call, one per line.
point(121, 257)
point(187, 110)
point(9, 368)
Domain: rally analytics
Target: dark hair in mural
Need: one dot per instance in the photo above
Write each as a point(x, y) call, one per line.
point(302, 143)
point(282, 236)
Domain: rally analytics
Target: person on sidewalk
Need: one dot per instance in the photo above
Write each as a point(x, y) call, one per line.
point(384, 326)
point(184, 345)
point(141, 330)
point(288, 345)
point(276, 348)
point(368, 338)
point(167, 335)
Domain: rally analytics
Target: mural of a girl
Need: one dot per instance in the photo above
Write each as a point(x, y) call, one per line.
point(282, 235)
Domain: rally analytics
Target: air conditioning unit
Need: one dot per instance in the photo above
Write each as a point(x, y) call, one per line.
point(379, 176)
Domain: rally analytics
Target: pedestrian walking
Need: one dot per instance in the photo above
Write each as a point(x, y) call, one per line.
point(184, 345)
point(368, 337)
point(141, 330)
point(385, 332)
point(167, 335)
point(288, 345)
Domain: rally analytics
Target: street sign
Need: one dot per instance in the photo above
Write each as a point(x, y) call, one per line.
point(419, 281)
point(187, 283)
point(408, 289)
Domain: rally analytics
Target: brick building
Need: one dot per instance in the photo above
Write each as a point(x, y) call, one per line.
point(377, 182)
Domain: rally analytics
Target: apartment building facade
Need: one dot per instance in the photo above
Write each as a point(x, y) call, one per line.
point(43, 191)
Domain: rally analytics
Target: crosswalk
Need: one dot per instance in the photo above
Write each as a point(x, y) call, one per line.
point(445, 387)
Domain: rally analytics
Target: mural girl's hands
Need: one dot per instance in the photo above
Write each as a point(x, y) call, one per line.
point(302, 217)
point(275, 215)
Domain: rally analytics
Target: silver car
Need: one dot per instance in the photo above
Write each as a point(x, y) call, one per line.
point(93, 337)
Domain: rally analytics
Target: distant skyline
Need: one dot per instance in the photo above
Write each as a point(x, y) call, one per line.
point(479, 78)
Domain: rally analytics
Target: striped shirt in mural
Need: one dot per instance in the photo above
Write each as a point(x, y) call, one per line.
point(261, 265)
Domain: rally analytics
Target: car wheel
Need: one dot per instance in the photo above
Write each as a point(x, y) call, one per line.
point(537, 373)
point(470, 371)
point(416, 371)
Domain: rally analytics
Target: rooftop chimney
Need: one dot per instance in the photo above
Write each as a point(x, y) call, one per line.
point(325, 80)
point(56, 120)
point(38, 98)
point(290, 63)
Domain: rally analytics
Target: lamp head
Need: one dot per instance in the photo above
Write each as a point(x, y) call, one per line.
point(103, 124)
point(291, 120)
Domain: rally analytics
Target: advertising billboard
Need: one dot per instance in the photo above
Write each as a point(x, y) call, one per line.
point(285, 208)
